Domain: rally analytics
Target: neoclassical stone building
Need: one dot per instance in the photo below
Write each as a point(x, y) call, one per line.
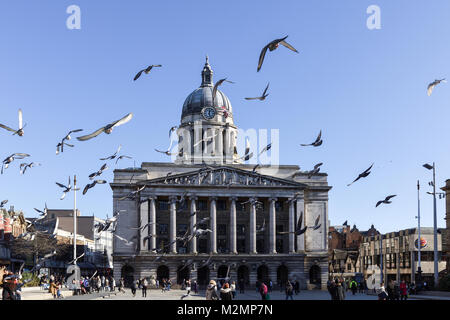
point(250, 211)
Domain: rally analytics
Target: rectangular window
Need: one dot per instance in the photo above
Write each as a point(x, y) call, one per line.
point(181, 229)
point(278, 205)
point(163, 228)
point(222, 229)
point(280, 247)
point(222, 246)
point(163, 205)
point(241, 246)
point(260, 246)
point(221, 205)
point(202, 205)
point(240, 229)
point(202, 245)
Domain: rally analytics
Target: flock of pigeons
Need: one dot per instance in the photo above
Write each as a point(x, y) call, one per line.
point(108, 128)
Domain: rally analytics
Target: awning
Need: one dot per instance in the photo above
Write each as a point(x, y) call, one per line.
point(86, 265)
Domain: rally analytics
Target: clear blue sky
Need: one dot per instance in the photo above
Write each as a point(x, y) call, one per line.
point(366, 90)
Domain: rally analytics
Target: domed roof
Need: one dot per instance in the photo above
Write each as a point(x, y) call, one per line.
point(202, 96)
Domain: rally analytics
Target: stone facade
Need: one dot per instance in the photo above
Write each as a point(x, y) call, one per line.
point(252, 214)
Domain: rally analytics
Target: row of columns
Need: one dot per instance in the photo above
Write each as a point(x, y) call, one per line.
point(148, 215)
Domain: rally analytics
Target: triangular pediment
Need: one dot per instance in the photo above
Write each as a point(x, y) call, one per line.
point(223, 176)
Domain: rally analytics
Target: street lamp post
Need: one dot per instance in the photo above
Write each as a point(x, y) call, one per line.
point(419, 269)
point(436, 271)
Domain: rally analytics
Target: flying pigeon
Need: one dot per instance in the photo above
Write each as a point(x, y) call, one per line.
point(18, 131)
point(272, 46)
point(316, 143)
point(66, 189)
point(11, 158)
point(99, 172)
point(218, 83)
point(112, 156)
point(362, 175)
point(434, 84)
point(108, 128)
point(146, 70)
point(91, 185)
point(386, 200)
point(24, 166)
point(262, 97)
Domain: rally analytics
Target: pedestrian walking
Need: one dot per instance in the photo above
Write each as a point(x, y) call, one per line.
point(354, 286)
point(270, 286)
point(382, 294)
point(122, 285)
point(403, 291)
point(263, 290)
point(134, 287)
point(241, 286)
point(233, 289)
point(211, 293)
point(144, 284)
point(225, 292)
point(188, 286)
point(339, 291)
point(289, 290)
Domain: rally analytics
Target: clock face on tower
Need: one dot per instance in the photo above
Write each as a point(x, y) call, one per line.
point(209, 113)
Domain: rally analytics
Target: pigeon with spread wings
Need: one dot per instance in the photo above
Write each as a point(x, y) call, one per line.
point(146, 71)
point(18, 131)
point(91, 185)
point(108, 128)
point(11, 158)
point(113, 156)
point(272, 46)
point(434, 84)
point(298, 230)
point(316, 143)
point(66, 188)
point(386, 200)
point(218, 83)
point(362, 175)
point(262, 97)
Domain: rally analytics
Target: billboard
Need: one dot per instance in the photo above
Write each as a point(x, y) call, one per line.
point(423, 243)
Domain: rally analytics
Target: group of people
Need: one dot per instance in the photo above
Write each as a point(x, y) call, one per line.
point(97, 284)
point(11, 284)
point(227, 290)
point(394, 291)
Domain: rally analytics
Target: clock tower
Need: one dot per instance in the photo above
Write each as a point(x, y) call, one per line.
point(207, 133)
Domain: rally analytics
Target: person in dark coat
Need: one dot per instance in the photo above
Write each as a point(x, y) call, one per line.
point(242, 286)
point(339, 291)
point(225, 292)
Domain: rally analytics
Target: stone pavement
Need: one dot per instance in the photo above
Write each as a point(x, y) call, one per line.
point(36, 293)
point(176, 294)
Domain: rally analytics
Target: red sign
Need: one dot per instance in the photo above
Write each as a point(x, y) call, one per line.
point(7, 225)
point(1, 221)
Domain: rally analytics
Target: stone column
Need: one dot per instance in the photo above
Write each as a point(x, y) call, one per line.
point(193, 247)
point(253, 225)
point(152, 226)
point(233, 237)
point(173, 224)
point(291, 226)
point(272, 226)
point(213, 225)
point(144, 220)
